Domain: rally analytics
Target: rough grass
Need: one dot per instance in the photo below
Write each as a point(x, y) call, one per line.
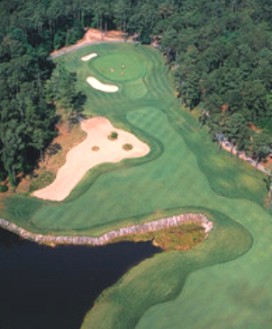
point(113, 136)
point(42, 180)
point(183, 172)
point(182, 237)
point(54, 157)
point(127, 147)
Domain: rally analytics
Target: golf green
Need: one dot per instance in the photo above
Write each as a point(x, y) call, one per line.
point(118, 67)
point(224, 282)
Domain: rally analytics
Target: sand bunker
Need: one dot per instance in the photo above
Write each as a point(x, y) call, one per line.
point(96, 84)
point(88, 57)
point(93, 36)
point(82, 158)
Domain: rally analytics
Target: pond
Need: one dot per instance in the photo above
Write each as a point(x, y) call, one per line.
point(43, 287)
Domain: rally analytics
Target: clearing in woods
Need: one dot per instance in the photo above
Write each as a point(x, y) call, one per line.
point(183, 172)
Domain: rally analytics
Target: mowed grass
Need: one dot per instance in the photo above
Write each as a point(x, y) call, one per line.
point(163, 277)
point(183, 172)
point(118, 67)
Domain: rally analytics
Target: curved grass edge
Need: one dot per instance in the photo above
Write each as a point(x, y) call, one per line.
point(156, 150)
point(241, 192)
point(122, 305)
point(108, 237)
point(105, 77)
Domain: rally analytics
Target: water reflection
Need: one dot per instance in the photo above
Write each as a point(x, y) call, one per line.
point(52, 288)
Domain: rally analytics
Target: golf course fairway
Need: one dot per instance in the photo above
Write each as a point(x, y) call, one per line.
point(224, 282)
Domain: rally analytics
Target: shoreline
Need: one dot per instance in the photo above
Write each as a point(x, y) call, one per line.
point(106, 238)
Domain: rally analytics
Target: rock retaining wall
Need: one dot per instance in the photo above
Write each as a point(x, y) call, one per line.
point(156, 225)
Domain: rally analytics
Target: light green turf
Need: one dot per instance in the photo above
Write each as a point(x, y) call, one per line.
point(119, 67)
point(183, 172)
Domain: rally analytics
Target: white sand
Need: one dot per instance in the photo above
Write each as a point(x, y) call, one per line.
point(96, 84)
point(88, 57)
point(81, 158)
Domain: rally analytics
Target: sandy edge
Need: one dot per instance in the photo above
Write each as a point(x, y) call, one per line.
point(227, 146)
point(98, 85)
point(92, 36)
point(81, 158)
point(106, 238)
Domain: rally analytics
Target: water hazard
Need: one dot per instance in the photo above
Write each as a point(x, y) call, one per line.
point(43, 287)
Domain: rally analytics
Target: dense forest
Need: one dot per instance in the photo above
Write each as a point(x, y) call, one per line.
point(219, 51)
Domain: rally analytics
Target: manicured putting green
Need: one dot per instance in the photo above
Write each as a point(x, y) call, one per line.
point(119, 67)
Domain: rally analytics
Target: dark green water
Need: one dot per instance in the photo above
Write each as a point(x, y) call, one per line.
point(53, 288)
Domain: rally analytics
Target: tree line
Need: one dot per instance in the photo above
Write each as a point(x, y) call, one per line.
point(30, 85)
point(219, 51)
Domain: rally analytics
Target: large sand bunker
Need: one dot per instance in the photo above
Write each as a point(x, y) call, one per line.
point(96, 84)
point(83, 157)
point(88, 57)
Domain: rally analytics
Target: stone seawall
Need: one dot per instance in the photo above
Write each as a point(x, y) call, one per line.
point(156, 225)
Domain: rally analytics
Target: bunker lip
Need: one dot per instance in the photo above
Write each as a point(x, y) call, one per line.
point(81, 158)
point(88, 57)
point(98, 85)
